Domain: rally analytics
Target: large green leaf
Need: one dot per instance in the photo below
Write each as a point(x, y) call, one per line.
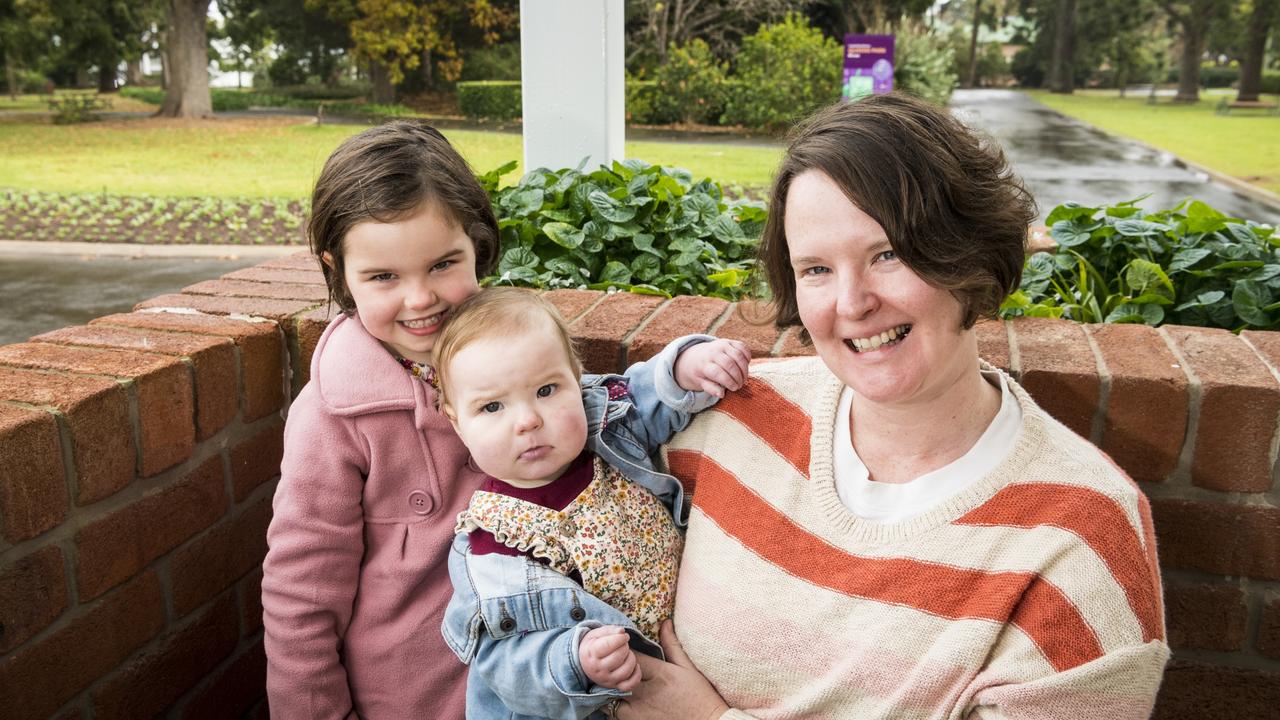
point(1069, 211)
point(1249, 298)
point(1144, 277)
point(609, 209)
point(564, 234)
point(1068, 234)
point(517, 257)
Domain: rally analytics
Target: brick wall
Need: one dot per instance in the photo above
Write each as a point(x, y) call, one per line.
point(139, 454)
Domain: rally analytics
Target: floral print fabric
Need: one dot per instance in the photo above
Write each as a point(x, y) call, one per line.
point(615, 534)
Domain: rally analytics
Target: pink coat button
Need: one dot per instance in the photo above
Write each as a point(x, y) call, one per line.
point(421, 502)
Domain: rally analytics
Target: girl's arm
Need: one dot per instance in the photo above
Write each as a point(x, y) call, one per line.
point(312, 567)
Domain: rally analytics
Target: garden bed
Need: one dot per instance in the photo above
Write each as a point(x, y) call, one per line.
point(42, 216)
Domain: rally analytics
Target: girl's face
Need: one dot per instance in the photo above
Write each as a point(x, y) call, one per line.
point(407, 276)
point(875, 323)
point(515, 403)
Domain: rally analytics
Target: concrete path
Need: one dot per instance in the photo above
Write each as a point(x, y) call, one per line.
point(1063, 159)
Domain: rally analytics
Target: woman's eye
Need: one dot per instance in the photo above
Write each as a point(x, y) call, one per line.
point(887, 255)
point(816, 270)
point(546, 390)
point(492, 407)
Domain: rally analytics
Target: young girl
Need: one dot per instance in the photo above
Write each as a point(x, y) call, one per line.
point(567, 556)
point(355, 581)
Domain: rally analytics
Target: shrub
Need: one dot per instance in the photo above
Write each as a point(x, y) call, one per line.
point(490, 100)
point(645, 104)
point(1027, 69)
point(690, 84)
point(1271, 82)
point(77, 107)
point(786, 71)
point(1212, 76)
point(632, 226)
point(287, 69)
point(32, 82)
point(1189, 265)
point(923, 65)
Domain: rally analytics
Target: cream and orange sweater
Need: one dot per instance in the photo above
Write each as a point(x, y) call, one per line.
point(1032, 594)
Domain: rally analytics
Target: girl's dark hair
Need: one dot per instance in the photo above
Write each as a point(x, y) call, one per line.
point(385, 174)
point(950, 205)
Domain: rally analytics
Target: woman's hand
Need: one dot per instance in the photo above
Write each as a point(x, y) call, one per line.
point(714, 367)
point(672, 690)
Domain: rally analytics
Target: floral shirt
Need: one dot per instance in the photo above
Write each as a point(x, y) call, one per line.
point(615, 535)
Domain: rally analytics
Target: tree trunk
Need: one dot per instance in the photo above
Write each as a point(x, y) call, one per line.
point(1255, 47)
point(973, 45)
point(133, 72)
point(188, 54)
point(384, 93)
point(1062, 62)
point(82, 77)
point(107, 76)
point(1194, 29)
point(428, 73)
point(11, 74)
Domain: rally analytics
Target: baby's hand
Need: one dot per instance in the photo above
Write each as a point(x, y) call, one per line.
point(713, 367)
point(607, 660)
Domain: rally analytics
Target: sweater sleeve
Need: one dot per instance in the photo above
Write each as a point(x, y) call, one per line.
point(1120, 685)
point(311, 572)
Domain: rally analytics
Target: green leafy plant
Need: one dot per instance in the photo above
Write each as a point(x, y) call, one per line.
point(1188, 265)
point(632, 226)
point(924, 64)
point(77, 107)
point(785, 71)
point(490, 99)
point(690, 84)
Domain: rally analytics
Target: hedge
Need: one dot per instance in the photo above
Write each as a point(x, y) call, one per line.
point(490, 99)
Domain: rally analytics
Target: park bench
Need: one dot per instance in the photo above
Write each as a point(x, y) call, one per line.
point(1225, 107)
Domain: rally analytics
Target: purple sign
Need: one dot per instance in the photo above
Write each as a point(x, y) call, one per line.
point(868, 65)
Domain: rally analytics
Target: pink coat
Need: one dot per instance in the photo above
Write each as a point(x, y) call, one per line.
point(355, 581)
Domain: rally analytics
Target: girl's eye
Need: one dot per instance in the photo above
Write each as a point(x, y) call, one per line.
point(443, 265)
point(546, 390)
point(492, 407)
point(382, 277)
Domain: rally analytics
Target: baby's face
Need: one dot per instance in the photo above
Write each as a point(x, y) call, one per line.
point(517, 406)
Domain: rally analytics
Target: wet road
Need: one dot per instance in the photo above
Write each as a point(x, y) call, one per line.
point(39, 293)
point(1063, 159)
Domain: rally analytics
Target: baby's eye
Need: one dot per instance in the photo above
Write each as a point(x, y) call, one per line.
point(492, 407)
point(546, 390)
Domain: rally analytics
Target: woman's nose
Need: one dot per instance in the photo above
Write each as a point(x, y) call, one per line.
point(857, 299)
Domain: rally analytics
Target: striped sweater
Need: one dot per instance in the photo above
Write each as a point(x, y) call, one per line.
point(1033, 594)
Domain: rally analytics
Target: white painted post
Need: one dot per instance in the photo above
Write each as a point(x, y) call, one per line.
point(572, 82)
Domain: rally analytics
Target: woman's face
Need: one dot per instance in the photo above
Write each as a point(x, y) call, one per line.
point(879, 327)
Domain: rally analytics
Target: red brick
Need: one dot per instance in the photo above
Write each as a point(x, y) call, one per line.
point(249, 591)
point(599, 333)
point(752, 323)
point(572, 303)
point(233, 690)
point(1146, 415)
point(993, 343)
point(97, 417)
point(1268, 642)
point(278, 310)
point(1239, 404)
point(1218, 538)
point(212, 360)
point(249, 289)
point(1205, 617)
point(33, 480)
point(309, 327)
point(212, 563)
point(33, 593)
point(1193, 691)
point(261, 345)
point(684, 315)
point(302, 260)
point(114, 548)
point(793, 346)
point(259, 273)
point(257, 460)
point(150, 684)
point(43, 676)
point(1059, 370)
point(163, 386)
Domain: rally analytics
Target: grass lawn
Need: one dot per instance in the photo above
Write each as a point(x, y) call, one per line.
point(1246, 146)
point(268, 157)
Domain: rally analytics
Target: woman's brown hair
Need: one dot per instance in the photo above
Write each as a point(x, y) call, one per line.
point(385, 174)
point(947, 199)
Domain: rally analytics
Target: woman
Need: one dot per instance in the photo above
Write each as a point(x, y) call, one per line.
point(894, 529)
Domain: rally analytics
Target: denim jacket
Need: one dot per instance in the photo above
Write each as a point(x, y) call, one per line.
point(518, 623)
